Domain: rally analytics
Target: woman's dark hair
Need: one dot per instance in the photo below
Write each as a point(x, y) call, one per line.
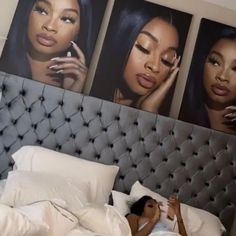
point(137, 208)
point(14, 58)
point(127, 20)
point(193, 108)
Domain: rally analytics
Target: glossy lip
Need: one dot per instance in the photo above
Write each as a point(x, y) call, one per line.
point(220, 90)
point(45, 40)
point(146, 81)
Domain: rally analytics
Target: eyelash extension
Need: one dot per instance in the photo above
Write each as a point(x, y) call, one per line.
point(71, 19)
point(213, 61)
point(40, 9)
point(142, 49)
point(167, 63)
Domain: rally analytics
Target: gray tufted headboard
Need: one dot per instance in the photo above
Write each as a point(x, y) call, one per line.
point(165, 154)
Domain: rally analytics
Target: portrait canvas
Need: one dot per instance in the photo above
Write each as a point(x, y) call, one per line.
point(52, 41)
point(141, 55)
point(210, 94)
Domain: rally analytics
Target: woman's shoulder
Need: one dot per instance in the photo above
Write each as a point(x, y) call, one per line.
point(132, 216)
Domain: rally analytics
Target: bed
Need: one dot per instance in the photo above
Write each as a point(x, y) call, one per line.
point(163, 154)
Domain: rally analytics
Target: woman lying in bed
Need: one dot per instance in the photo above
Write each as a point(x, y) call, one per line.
point(145, 216)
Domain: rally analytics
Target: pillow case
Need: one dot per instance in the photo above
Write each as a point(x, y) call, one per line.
point(25, 187)
point(197, 222)
point(101, 177)
point(13, 223)
point(104, 220)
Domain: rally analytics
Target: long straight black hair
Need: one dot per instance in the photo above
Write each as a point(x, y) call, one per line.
point(14, 57)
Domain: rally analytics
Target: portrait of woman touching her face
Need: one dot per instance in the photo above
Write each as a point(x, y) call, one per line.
point(141, 55)
point(210, 95)
point(51, 41)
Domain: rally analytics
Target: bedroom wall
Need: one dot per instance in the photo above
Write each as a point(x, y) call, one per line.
point(221, 11)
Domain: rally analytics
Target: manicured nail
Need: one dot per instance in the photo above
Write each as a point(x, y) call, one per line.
point(230, 107)
point(73, 43)
point(229, 115)
point(55, 58)
point(68, 54)
point(53, 66)
point(59, 71)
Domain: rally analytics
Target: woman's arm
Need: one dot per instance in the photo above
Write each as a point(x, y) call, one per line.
point(147, 229)
point(175, 204)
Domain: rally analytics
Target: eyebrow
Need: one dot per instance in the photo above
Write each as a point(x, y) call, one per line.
point(151, 36)
point(217, 53)
point(66, 9)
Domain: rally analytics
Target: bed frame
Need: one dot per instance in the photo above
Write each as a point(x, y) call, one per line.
point(164, 154)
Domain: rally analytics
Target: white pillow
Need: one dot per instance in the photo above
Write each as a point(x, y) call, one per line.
point(122, 202)
point(57, 220)
point(13, 223)
point(25, 187)
point(105, 220)
point(101, 177)
point(196, 221)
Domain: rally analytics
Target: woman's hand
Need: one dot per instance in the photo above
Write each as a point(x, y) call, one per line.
point(230, 116)
point(174, 203)
point(157, 214)
point(153, 101)
point(73, 69)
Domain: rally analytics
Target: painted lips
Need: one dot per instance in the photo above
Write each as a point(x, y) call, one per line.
point(46, 40)
point(220, 90)
point(146, 81)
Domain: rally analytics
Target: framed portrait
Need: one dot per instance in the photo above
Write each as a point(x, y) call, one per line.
point(210, 93)
point(141, 54)
point(52, 41)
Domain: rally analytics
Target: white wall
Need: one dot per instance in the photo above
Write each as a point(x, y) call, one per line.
point(231, 4)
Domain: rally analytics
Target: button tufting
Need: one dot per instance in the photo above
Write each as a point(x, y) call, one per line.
point(136, 123)
point(178, 148)
point(183, 163)
point(39, 142)
point(7, 149)
point(147, 154)
point(117, 118)
point(1, 132)
point(141, 139)
point(78, 151)
point(154, 129)
point(99, 114)
point(20, 137)
point(80, 108)
point(123, 134)
point(67, 119)
point(41, 98)
point(22, 92)
point(128, 149)
point(104, 129)
point(73, 136)
point(190, 137)
point(14, 122)
point(86, 124)
point(61, 103)
point(28, 109)
point(34, 126)
point(158, 186)
point(111, 145)
point(171, 176)
point(58, 146)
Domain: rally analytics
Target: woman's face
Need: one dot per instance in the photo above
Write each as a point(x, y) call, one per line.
point(150, 208)
point(152, 57)
point(52, 25)
point(219, 76)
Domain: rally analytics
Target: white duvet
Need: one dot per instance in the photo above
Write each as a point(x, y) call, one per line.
point(46, 218)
